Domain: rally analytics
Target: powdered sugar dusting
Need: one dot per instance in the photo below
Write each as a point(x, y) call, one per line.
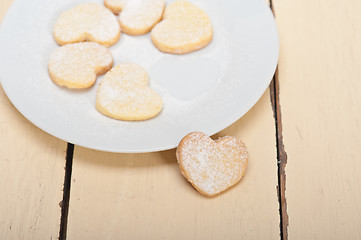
point(87, 22)
point(184, 28)
point(124, 94)
point(141, 15)
point(210, 166)
point(115, 5)
point(77, 65)
point(128, 75)
point(137, 16)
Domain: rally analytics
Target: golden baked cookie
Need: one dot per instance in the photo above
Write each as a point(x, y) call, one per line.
point(137, 17)
point(87, 22)
point(212, 166)
point(184, 28)
point(77, 65)
point(124, 94)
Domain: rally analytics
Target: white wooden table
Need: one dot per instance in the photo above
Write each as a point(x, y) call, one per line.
point(304, 174)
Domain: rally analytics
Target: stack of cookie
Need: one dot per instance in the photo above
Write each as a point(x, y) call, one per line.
point(85, 32)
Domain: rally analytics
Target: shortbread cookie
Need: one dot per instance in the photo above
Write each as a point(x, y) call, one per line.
point(185, 28)
point(124, 94)
point(212, 166)
point(87, 22)
point(137, 17)
point(77, 65)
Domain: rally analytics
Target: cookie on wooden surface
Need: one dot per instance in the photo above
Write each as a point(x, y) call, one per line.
point(184, 28)
point(137, 17)
point(87, 22)
point(212, 166)
point(77, 65)
point(124, 94)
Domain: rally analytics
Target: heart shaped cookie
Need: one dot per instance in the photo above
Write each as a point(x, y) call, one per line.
point(137, 17)
point(124, 94)
point(212, 166)
point(185, 28)
point(77, 65)
point(87, 22)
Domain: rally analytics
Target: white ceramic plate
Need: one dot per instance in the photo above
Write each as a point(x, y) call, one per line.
point(206, 91)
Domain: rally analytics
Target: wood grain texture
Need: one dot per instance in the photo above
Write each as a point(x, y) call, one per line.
point(31, 177)
point(320, 98)
point(31, 174)
point(144, 196)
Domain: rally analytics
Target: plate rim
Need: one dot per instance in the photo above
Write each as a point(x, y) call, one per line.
point(234, 118)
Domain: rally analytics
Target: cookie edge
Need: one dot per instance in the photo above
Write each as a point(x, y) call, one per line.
point(185, 175)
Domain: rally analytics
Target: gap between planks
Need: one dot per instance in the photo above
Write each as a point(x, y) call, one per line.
point(281, 164)
point(66, 192)
point(281, 153)
point(281, 158)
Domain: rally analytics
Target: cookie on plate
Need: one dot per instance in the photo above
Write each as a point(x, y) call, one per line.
point(212, 166)
point(77, 65)
point(87, 22)
point(185, 28)
point(137, 17)
point(124, 94)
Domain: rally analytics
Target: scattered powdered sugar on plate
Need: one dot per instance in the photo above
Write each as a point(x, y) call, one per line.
point(27, 43)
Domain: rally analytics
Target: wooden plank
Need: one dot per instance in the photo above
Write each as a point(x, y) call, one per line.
point(320, 98)
point(4, 5)
point(144, 196)
point(31, 177)
point(31, 174)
